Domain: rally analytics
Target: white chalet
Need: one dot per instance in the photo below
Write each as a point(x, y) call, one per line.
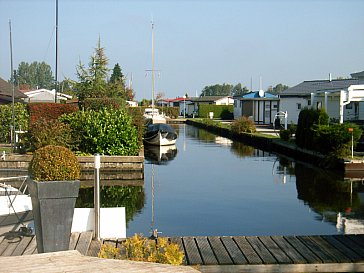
point(342, 99)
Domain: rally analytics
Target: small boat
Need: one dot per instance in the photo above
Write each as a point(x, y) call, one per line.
point(152, 116)
point(160, 135)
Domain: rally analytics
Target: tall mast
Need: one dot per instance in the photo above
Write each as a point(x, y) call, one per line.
point(152, 65)
point(12, 89)
point(56, 70)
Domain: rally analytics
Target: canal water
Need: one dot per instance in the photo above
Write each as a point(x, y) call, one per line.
point(209, 185)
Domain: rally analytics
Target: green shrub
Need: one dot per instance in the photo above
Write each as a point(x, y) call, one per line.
point(335, 139)
point(99, 103)
point(49, 132)
point(107, 132)
point(6, 120)
point(243, 125)
point(52, 163)
point(285, 135)
point(220, 111)
point(306, 120)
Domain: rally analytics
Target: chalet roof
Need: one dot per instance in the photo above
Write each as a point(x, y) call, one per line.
point(6, 91)
point(208, 98)
point(308, 87)
point(255, 96)
point(357, 75)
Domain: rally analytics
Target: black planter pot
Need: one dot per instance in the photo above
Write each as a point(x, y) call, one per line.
point(53, 205)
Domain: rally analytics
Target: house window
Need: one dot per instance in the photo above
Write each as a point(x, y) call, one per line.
point(308, 102)
point(349, 106)
point(298, 106)
point(235, 103)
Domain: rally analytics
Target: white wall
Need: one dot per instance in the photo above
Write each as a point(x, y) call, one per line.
point(225, 101)
point(290, 105)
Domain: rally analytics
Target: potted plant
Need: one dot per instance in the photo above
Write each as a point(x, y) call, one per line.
point(53, 183)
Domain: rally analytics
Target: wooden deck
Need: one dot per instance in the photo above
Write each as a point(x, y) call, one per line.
point(329, 253)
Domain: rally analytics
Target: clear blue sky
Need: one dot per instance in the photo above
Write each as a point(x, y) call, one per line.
point(197, 43)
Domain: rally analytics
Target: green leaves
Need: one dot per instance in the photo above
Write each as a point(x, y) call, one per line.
point(107, 131)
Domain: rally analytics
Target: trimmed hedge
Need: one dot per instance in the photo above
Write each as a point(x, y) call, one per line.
point(225, 112)
point(99, 103)
point(49, 111)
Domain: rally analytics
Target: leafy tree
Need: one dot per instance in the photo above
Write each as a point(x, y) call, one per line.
point(278, 88)
point(34, 75)
point(239, 91)
point(217, 90)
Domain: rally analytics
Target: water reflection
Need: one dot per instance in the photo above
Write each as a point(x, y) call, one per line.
point(130, 197)
point(223, 187)
point(160, 155)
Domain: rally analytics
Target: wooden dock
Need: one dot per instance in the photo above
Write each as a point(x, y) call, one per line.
point(326, 253)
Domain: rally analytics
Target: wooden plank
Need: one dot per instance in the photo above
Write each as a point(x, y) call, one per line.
point(94, 248)
point(84, 242)
point(345, 240)
point(19, 250)
point(12, 244)
point(192, 254)
point(324, 256)
point(3, 245)
point(73, 261)
point(263, 253)
point(249, 253)
point(306, 253)
point(233, 250)
point(274, 249)
point(178, 241)
point(354, 257)
point(280, 268)
point(290, 251)
point(329, 249)
point(208, 256)
point(73, 240)
point(357, 238)
point(219, 249)
point(32, 246)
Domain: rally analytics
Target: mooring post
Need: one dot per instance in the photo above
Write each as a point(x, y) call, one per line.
point(97, 197)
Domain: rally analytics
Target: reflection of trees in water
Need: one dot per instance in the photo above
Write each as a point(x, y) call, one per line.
point(324, 191)
point(130, 197)
point(201, 134)
point(242, 150)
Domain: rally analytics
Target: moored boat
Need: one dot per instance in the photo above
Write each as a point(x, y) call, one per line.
point(160, 134)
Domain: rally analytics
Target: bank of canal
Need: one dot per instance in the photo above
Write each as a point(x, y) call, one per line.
point(215, 186)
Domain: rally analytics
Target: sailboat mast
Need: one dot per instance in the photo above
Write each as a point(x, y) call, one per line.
point(56, 70)
point(153, 65)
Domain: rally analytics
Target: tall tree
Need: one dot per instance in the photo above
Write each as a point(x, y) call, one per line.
point(117, 74)
point(217, 90)
point(279, 88)
point(34, 75)
point(238, 90)
point(92, 81)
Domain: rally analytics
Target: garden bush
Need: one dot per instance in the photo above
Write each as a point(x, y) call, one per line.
point(45, 132)
point(306, 120)
point(52, 163)
point(6, 120)
point(243, 125)
point(335, 139)
point(51, 111)
point(107, 132)
point(99, 103)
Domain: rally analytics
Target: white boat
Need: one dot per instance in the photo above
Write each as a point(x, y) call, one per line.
point(152, 116)
point(160, 135)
